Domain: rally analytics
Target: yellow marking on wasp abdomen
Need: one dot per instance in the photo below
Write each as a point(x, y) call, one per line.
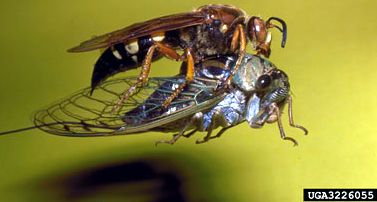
point(116, 54)
point(132, 47)
point(134, 58)
point(158, 36)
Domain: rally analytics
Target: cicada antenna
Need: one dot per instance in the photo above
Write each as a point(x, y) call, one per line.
point(282, 29)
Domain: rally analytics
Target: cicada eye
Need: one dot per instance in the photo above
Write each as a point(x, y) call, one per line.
point(257, 31)
point(263, 82)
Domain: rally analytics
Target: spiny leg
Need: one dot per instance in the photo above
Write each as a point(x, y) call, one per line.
point(239, 35)
point(141, 80)
point(275, 109)
point(189, 78)
point(146, 66)
point(290, 115)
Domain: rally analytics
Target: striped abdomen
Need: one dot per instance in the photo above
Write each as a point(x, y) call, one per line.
point(122, 57)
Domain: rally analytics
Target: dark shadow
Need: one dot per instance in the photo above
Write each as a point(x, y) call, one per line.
point(149, 180)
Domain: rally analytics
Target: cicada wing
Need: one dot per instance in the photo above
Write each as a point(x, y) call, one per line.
point(82, 114)
point(85, 114)
point(157, 25)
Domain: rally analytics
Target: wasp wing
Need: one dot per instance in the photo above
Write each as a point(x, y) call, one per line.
point(82, 114)
point(162, 24)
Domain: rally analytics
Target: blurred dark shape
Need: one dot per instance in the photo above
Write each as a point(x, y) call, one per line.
point(141, 180)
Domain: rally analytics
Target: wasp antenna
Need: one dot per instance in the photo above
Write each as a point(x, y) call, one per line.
point(283, 29)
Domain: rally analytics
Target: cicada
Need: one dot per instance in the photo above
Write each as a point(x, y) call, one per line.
point(257, 95)
point(207, 31)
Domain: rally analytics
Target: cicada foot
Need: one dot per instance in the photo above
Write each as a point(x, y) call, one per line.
point(206, 139)
point(275, 109)
point(295, 143)
point(180, 134)
point(202, 141)
point(220, 132)
point(171, 142)
point(189, 134)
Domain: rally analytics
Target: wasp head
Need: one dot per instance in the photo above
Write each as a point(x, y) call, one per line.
point(260, 37)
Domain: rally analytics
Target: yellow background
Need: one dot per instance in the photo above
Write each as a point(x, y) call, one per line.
point(330, 56)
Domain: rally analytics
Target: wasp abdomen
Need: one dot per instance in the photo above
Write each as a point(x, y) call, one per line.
point(122, 57)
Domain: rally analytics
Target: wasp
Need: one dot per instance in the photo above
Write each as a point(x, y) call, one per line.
point(257, 95)
point(209, 30)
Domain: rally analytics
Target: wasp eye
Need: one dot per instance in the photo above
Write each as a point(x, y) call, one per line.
point(263, 82)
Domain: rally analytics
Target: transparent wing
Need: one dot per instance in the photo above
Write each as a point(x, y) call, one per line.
point(82, 114)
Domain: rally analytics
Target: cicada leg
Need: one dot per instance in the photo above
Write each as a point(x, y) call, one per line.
point(290, 115)
point(172, 141)
point(275, 109)
point(221, 132)
point(217, 119)
point(190, 133)
point(181, 133)
point(146, 66)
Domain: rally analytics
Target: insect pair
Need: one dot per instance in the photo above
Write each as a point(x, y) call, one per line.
point(219, 85)
point(210, 30)
point(257, 94)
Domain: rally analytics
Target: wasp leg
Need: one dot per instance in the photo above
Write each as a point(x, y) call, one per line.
point(290, 115)
point(142, 79)
point(217, 120)
point(235, 40)
point(276, 110)
point(189, 78)
point(239, 35)
point(146, 67)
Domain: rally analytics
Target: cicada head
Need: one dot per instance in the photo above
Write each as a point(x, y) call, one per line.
point(250, 70)
point(272, 89)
